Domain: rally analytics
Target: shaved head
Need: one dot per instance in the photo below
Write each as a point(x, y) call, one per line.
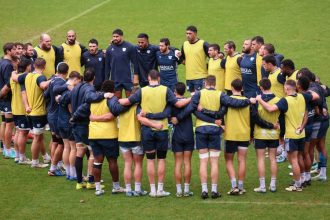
point(45, 42)
point(71, 37)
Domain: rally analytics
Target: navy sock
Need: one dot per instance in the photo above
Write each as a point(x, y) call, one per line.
point(79, 167)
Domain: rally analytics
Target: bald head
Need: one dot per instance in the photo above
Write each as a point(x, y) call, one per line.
point(71, 37)
point(45, 42)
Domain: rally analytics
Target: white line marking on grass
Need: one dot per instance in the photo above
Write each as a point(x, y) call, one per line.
point(269, 203)
point(69, 20)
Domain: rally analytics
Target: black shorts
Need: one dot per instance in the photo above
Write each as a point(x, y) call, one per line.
point(208, 141)
point(263, 144)
point(181, 145)
point(80, 133)
point(232, 146)
point(154, 140)
point(194, 85)
point(308, 132)
point(38, 122)
point(66, 133)
point(129, 144)
point(5, 106)
point(22, 122)
point(52, 121)
point(127, 86)
point(294, 144)
point(323, 129)
point(105, 147)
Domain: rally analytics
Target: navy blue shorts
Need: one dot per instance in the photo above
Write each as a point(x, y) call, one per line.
point(232, 146)
point(263, 144)
point(105, 147)
point(66, 133)
point(154, 140)
point(38, 121)
point(294, 144)
point(127, 86)
point(22, 122)
point(129, 144)
point(171, 87)
point(5, 106)
point(52, 121)
point(80, 133)
point(323, 129)
point(208, 141)
point(196, 84)
point(181, 145)
point(308, 132)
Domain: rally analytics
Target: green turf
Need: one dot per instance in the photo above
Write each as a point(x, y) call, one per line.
point(298, 29)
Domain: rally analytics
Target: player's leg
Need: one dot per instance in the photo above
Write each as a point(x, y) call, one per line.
point(138, 162)
point(128, 164)
point(187, 172)
point(178, 159)
point(241, 157)
point(8, 133)
point(230, 150)
point(273, 168)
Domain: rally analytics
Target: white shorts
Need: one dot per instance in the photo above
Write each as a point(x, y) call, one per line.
point(135, 150)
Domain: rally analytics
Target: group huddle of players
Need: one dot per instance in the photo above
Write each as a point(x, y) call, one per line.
point(238, 99)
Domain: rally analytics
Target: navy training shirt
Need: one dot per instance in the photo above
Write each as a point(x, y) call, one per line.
point(167, 64)
point(6, 68)
point(249, 75)
point(145, 61)
point(119, 62)
point(97, 62)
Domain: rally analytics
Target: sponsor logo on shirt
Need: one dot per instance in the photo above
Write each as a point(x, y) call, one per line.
point(100, 58)
point(124, 49)
point(148, 51)
point(170, 57)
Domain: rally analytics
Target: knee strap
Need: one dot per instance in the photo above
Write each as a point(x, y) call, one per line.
point(161, 154)
point(151, 156)
point(97, 165)
point(204, 155)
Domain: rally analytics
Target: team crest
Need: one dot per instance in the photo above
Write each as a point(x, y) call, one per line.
point(124, 49)
point(88, 60)
point(68, 51)
point(100, 58)
point(148, 51)
point(252, 58)
point(169, 57)
point(112, 49)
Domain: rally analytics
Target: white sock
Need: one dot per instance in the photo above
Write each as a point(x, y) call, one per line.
point(115, 185)
point(53, 167)
point(160, 186)
point(97, 186)
point(214, 187)
point(46, 156)
point(262, 182)
point(233, 183)
point(297, 183)
point(273, 182)
point(323, 171)
point(22, 157)
point(67, 170)
point(302, 177)
point(178, 188)
point(186, 187)
point(240, 184)
point(153, 188)
point(73, 171)
point(128, 187)
point(307, 176)
point(35, 162)
point(204, 187)
point(16, 154)
point(60, 164)
point(137, 187)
